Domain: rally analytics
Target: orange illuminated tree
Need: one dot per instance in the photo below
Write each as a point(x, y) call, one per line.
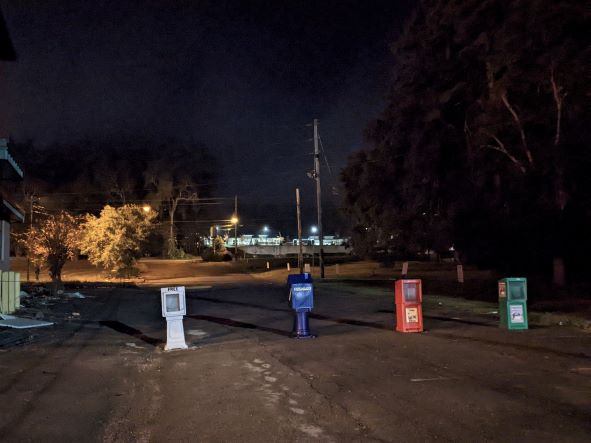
point(53, 242)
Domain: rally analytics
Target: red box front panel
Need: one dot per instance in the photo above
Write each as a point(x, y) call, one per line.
point(408, 296)
point(409, 318)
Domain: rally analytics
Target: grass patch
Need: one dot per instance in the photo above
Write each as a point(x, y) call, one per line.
point(453, 306)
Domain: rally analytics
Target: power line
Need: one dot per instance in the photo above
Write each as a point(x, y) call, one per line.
point(324, 155)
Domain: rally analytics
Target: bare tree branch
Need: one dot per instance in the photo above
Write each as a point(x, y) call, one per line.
point(519, 126)
point(500, 147)
point(558, 99)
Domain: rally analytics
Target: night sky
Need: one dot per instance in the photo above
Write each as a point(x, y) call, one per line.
point(242, 77)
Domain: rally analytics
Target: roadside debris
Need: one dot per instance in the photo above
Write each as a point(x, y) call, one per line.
point(41, 308)
point(74, 294)
point(10, 321)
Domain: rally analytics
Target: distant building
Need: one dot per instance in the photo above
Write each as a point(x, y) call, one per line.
point(251, 240)
point(328, 240)
point(264, 240)
point(10, 172)
point(10, 175)
point(263, 246)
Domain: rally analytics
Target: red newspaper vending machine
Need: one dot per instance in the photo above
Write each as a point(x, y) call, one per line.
point(408, 297)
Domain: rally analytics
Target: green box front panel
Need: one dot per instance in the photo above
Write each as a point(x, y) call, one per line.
point(516, 315)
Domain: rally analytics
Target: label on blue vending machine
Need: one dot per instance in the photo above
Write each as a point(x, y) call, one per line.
point(302, 296)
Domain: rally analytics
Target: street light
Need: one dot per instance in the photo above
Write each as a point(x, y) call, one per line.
point(265, 229)
point(314, 229)
point(146, 208)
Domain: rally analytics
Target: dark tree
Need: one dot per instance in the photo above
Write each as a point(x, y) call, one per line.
point(483, 143)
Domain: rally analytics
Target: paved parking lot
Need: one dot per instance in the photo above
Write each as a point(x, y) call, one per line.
point(103, 375)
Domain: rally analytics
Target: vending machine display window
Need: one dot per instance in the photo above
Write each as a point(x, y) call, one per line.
point(517, 292)
point(173, 303)
point(410, 292)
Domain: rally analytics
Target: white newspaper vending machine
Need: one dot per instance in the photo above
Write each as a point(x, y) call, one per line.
point(173, 309)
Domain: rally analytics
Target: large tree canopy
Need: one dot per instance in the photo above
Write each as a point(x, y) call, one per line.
point(114, 240)
point(484, 142)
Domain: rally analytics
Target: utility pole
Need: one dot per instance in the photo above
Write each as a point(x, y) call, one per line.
point(300, 253)
point(318, 197)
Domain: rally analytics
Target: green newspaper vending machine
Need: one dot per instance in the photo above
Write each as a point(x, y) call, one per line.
point(513, 303)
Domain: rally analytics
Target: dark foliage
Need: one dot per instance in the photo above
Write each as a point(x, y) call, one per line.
point(85, 176)
point(484, 142)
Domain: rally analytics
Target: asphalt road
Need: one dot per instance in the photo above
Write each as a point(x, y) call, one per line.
point(103, 375)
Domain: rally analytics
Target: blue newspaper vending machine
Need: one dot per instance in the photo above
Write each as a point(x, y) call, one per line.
point(301, 295)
